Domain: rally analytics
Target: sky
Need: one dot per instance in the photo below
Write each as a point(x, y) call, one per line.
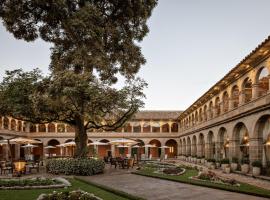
point(191, 45)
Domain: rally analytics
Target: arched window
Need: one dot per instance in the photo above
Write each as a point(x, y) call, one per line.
point(137, 128)
point(13, 125)
point(200, 115)
point(127, 128)
point(211, 110)
point(155, 127)
point(165, 128)
point(42, 128)
point(247, 89)
point(225, 102)
point(217, 106)
point(263, 81)
point(196, 117)
point(70, 128)
point(205, 113)
point(235, 96)
point(19, 128)
point(60, 128)
point(51, 128)
point(146, 127)
point(6, 123)
point(174, 128)
point(33, 128)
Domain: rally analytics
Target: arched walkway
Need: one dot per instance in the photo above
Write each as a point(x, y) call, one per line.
point(155, 151)
point(173, 149)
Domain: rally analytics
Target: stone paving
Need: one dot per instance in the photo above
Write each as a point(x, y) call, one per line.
point(157, 189)
point(241, 178)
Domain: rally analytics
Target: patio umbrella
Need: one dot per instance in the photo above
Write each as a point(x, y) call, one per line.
point(49, 147)
point(28, 151)
point(97, 143)
point(68, 144)
point(164, 147)
point(136, 146)
point(150, 146)
point(122, 146)
point(123, 141)
point(22, 140)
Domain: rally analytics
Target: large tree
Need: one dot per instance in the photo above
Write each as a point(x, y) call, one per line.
point(93, 42)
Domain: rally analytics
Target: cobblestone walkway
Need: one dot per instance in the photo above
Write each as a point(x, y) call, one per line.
point(241, 178)
point(157, 189)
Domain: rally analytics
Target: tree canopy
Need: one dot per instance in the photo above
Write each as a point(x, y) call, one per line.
point(93, 42)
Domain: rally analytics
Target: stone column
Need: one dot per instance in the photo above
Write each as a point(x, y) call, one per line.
point(46, 127)
point(162, 155)
point(17, 151)
point(221, 108)
point(37, 128)
point(255, 91)
point(218, 149)
point(269, 83)
point(9, 124)
point(113, 150)
point(242, 97)
point(255, 149)
point(146, 152)
point(230, 104)
point(233, 149)
point(129, 150)
point(199, 150)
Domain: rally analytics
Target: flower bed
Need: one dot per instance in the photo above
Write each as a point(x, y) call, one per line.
point(71, 166)
point(73, 195)
point(212, 177)
point(33, 183)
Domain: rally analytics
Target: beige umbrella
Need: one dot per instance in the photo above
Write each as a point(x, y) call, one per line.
point(22, 140)
point(123, 141)
point(68, 144)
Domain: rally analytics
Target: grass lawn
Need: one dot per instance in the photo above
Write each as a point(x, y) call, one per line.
point(76, 184)
point(243, 188)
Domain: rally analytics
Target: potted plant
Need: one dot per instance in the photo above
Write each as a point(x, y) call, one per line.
point(202, 160)
point(211, 163)
point(218, 163)
point(234, 164)
point(225, 163)
point(256, 168)
point(245, 165)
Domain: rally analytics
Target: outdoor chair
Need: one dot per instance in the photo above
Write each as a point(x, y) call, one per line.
point(33, 166)
point(6, 167)
point(113, 161)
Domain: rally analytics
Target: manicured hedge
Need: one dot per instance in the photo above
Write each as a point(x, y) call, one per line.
point(73, 195)
point(75, 166)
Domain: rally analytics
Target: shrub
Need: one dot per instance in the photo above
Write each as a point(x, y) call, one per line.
point(245, 161)
point(257, 163)
point(225, 161)
point(235, 160)
point(27, 182)
point(211, 160)
point(73, 195)
point(75, 166)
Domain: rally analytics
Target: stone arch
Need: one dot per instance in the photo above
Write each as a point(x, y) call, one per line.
point(262, 139)
point(196, 117)
point(156, 127)
point(201, 146)
point(146, 127)
point(137, 127)
point(235, 96)
point(41, 128)
point(217, 106)
point(200, 115)
point(173, 148)
point(13, 125)
point(181, 147)
point(211, 110)
point(165, 128)
point(225, 100)
point(51, 128)
point(19, 128)
point(61, 128)
point(174, 127)
point(184, 147)
point(188, 148)
point(56, 151)
point(262, 79)
point(194, 145)
point(247, 90)
point(33, 128)
point(222, 150)
point(240, 144)
point(155, 151)
point(210, 145)
point(6, 123)
point(205, 113)
point(104, 150)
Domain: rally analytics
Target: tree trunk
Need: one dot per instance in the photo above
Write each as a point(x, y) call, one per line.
point(81, 149)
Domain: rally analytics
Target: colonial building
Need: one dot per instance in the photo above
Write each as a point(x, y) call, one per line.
point(232, 119)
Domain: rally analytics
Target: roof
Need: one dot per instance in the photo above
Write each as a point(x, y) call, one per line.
point(157, 115)
point(261, 52)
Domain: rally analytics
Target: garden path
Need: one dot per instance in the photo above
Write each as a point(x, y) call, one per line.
point(157, 189)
